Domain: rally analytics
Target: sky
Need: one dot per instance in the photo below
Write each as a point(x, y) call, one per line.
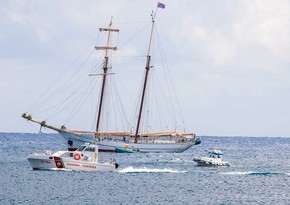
point(230, 59)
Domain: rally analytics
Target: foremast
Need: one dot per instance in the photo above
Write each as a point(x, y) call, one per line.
point(103, 89)
point(105, 70)
point(145, 80)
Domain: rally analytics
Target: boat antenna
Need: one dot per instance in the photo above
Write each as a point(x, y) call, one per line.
point(105, 68)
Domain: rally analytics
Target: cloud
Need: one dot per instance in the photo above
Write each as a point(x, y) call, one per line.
point(255, 33)
point(229, 59)
point(18, 14)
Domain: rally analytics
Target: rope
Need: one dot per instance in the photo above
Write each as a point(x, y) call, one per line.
point(171, 81)
point(38, 103)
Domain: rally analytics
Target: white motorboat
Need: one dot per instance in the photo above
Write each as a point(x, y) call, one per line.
point(83, 159)
point(214, 158)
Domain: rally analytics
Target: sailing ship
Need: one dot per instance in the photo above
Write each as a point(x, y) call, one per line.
point(165, 141)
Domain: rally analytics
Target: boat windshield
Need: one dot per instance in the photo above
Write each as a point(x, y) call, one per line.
point(82, 148)
point(91, 149)
point(214, 155)
point(86, 148)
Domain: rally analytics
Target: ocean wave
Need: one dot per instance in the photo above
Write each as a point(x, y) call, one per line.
point(255, 173)
point(147, 170)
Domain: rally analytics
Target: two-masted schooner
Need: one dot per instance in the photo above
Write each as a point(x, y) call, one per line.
point(165, 141)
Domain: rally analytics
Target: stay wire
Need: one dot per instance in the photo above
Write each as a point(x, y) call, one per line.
point(170, 78)
point(63, 87)
point(35, 105)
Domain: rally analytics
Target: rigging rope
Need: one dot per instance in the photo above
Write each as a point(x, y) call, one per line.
point(170, 78)
point(64, 86)
point(38, 103)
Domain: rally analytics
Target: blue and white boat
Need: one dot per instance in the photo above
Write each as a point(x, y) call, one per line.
point(214, 158)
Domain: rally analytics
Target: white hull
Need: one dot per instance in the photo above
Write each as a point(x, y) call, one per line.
point(42, 162)
point(110, 144)
point(76, 161)
point(206, 161)
point(145, 147)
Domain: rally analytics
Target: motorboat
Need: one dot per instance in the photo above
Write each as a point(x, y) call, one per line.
point(83, 159)
point(214, 158)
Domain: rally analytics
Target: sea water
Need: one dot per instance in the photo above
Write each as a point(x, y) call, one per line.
point(260, 174)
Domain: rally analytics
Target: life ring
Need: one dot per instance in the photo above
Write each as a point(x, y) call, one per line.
point(77, 156)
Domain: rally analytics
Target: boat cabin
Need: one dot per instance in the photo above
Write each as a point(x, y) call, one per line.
point(215, 154)
point(87, 147)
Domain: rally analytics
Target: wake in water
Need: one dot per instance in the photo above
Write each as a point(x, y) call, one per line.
point(147, 170)
point(255, 173)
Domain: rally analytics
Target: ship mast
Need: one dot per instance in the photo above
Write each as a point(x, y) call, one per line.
point(145, 80)
point(105, 68)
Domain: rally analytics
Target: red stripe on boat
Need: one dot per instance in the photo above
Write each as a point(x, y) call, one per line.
point(58, 162)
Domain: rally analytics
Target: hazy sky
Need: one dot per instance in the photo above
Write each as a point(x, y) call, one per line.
point(230, 59)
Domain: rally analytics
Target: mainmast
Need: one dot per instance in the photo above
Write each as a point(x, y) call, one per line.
point(145, 80)
point(105, 68)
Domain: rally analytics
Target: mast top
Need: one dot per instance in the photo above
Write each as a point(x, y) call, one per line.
point(109, 30)
point(110, 27)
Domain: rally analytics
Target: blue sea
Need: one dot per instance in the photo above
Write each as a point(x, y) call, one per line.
point(260, 174)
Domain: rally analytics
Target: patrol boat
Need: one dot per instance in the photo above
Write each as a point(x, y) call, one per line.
point(83, 159)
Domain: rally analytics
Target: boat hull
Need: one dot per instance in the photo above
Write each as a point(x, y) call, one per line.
point(209, 163)
point(110, 144)
point(41, 162)
point(49, 162)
